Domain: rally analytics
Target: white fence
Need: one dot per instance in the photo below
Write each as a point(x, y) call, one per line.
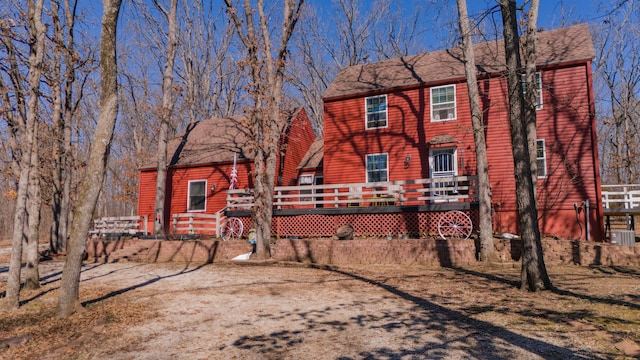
point(621, 196)
point(120, 225)
point(198, 223)
point(390, 193)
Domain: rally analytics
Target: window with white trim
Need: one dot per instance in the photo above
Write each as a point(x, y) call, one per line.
point(443, 103)
point(377, 167)
point(197, 197)
point(306, 180)
point(541, 158)
point(443, 164)
point(376, 111)
point(538, 87)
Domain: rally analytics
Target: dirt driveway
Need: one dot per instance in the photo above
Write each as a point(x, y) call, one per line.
point(286, 311)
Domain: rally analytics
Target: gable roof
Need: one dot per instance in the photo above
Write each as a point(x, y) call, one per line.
point(211, 140)
point(552, 47)
point(214, 140)
point(313, 158)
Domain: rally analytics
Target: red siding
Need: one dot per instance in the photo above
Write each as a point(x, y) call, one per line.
point(178, 188)
point(564, 123)
point(146, 196)
point(409, 130)
point(295, 144)
point(298, 141)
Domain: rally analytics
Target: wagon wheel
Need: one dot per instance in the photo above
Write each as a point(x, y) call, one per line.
point(454, 224)
point(232, 229)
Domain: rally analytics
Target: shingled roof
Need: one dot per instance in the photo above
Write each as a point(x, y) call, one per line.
point(553, 47)
point(313, 158)
point(208, 141)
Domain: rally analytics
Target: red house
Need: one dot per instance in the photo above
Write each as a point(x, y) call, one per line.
point(398, 151)
point(409, 118)
point(200, 162)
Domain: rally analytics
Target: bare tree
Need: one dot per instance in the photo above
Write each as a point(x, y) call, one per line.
point(68, 300)
point(266, 65)
point(487, 248)
point(64, 104)
point(530, 98)
point(400, 33)
point(206, 65)
point(165, 114)
point(27, 126)
point(534, 273)
point(617, 75)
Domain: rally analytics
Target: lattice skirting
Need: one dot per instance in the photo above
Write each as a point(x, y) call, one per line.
point(413, 224)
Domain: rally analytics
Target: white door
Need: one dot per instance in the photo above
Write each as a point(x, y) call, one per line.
point(443, 164)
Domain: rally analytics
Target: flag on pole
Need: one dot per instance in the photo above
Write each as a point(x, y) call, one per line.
point(233, 178)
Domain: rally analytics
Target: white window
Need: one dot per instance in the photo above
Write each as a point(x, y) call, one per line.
point(443, 164)
point(541, 158)
point(377, 167)
point(306, 180)
point(443, 103)
point(538, 87)
point(197, 195)
point(376, 110)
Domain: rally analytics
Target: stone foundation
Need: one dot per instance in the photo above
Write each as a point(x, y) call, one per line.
point(429, 252)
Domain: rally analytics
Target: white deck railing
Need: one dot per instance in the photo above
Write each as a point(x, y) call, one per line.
point(405, 192)
point(621, 196)
point(198, 223)
point(119, 225)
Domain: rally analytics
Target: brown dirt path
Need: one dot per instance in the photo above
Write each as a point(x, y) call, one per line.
point(289, 311)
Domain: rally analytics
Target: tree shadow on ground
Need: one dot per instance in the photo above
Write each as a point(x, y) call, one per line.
point(114, 293)
point(555, 289)
point(430, 329)
point(56, 276)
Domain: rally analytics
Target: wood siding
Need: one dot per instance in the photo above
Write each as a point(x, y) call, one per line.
point(295, 145)
point(298, 140)
point(564, 122)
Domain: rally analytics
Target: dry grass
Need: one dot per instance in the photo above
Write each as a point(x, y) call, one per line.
point(145, 311)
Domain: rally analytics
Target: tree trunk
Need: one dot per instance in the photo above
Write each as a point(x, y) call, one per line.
point(534, 273)
point(165, 116)
point(34, 202)
point(267, 75)
point(487, 247)
point(27, 143)
point(68, 300)
point(532, 89)
point(62, 117)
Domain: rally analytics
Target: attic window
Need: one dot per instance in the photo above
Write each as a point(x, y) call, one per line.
point(443, 103)
point(376, 111)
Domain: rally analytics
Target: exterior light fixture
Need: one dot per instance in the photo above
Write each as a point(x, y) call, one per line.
point(407, 160)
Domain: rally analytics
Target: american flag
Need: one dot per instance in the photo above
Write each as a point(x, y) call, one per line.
point(233, 178)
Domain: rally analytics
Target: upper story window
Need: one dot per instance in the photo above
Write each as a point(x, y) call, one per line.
point(377, 167)
point(538, 87)
point(443, 103)
point(197, 195)
point(376, 110)
point(541, 158)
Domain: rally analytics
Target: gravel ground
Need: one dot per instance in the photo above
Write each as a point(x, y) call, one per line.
point(288, 311)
